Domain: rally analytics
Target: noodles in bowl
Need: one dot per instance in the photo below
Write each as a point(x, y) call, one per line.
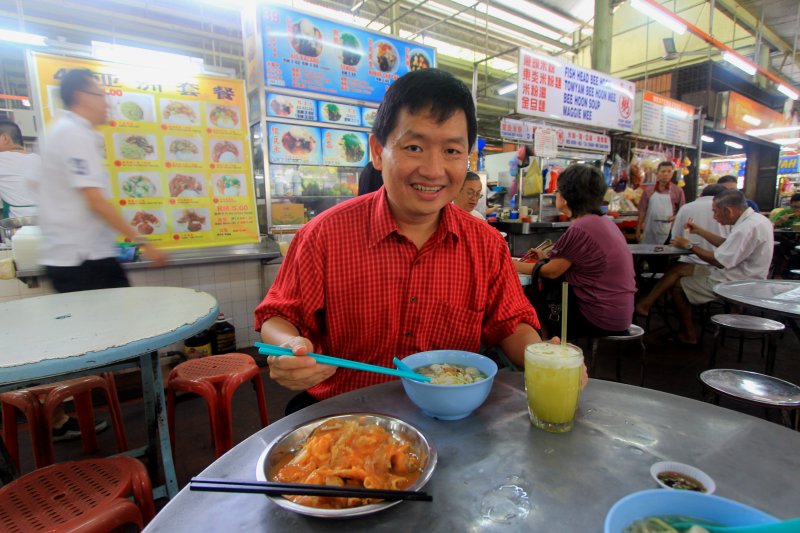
point(356, 450)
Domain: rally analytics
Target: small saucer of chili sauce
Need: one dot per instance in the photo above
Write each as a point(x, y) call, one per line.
point(679, 476)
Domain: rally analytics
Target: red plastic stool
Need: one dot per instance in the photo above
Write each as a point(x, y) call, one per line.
point(215, 378)
point(39, 415)
point(87, 496)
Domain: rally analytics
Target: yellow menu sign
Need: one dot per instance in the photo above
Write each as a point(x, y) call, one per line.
point(177, 150)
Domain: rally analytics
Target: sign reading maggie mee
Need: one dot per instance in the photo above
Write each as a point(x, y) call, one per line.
point(551, 89)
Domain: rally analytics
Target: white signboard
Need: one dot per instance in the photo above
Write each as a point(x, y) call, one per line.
point(658, 117)
point(546, 142)
point(551, 89)
point(515, 130)
point(579, 140)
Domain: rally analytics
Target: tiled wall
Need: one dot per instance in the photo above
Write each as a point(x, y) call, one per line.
point(237, 286)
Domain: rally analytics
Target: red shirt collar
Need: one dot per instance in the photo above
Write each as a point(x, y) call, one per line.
point(383, 223)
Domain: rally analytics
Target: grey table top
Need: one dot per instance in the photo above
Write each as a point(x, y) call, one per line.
point(656, 249)
point(780, 296)
point(571, 479)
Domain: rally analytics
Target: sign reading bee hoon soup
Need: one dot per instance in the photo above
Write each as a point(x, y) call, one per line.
point(177, 151)
point(551, 89)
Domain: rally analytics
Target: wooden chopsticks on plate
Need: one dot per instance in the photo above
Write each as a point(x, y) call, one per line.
point(271, 488)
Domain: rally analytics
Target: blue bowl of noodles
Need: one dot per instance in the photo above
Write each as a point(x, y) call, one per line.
point(636, 507)
point(452, 401)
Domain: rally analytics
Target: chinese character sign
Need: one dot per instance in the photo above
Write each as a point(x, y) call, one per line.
point(177, 152)
point(551, 89)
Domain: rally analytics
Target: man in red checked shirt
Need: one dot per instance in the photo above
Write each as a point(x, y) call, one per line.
point(400, 270)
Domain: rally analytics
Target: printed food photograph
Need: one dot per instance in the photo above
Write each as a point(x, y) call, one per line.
point(186, 185)
point(223, 116)
point(298, 141)
point(139, 185)
point(306, 38)
point(352, 147)
point(183, 149)
point(137, 147)
point(181, 113)
point(351, 49)
point(418, 60)
point(145, 221)
point(226, 151)
point(332, 112)
point(228, 184)
point(384, 56)
point(369, 116)
point(132, 107)
point(190, 220)
point(282, 106)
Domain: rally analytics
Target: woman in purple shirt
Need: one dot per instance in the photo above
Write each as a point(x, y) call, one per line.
point(594, 257)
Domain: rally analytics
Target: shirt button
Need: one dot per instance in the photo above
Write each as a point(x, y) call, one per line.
point(413, 299)
point(408, 333)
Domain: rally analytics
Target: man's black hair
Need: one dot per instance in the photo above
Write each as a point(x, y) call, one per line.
point(11, 129)
point(428, 90)
point(583, 188)
point(713, 189)
point(727, 179)
point(74, 81)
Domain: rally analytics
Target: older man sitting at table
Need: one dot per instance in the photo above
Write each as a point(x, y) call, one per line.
point(401, 270)
point(744, 254)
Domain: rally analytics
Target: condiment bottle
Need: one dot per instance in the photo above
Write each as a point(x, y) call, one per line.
point(198, 345)
point(223, 336)
point(526, 225)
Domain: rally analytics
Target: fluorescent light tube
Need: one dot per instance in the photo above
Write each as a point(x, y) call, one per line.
point(707, 139)
point(739, 62)
point(769, 131)
point(791, 93)
point(355, 7)
point(507, 89)
point(733, 145)
point(787, 141)
point(22, 38)
point(753, 121)
point(659, 16)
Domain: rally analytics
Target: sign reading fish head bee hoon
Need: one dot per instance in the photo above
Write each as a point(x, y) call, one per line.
point(554, 90)
point(176, 149)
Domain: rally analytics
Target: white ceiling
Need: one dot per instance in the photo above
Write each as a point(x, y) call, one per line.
point(456, 27)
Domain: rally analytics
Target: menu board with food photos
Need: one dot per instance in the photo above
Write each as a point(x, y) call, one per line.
point(313, 54)
point(177, 150)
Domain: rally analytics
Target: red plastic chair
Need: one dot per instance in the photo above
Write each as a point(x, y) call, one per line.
point(39, 415)
point(86, 496)
point(215, 378)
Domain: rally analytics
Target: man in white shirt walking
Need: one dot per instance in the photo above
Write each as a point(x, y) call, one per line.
point(19, 171)
point(78, 222)
point(744, 254)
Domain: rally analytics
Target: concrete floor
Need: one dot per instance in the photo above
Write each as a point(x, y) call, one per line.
point(668, 368)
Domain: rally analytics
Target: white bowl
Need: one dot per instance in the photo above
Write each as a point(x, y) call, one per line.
point(688, 470)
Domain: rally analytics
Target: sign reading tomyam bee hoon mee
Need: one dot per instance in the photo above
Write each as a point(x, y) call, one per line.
point(177, 151)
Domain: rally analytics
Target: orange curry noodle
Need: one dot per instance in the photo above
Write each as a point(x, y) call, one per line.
point(348, 454)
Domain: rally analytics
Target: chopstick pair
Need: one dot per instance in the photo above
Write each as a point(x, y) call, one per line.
point(271, 488)
point(271, 349)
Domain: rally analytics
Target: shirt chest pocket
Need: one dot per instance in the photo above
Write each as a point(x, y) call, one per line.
point(440, 325)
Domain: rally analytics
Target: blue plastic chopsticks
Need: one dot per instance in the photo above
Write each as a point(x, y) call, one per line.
point(271, 349)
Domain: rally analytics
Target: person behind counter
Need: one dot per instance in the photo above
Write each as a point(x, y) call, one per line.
point(658, 206)
point(19, 170)
point(401, 270)
point(593, 256)
point(369, 180)
point(470, 194)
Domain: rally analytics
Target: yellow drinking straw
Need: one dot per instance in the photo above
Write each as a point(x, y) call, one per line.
point(564, 291)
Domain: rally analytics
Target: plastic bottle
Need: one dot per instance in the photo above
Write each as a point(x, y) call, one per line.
point(223, 336)
point(198, 345)
point(526, 225)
